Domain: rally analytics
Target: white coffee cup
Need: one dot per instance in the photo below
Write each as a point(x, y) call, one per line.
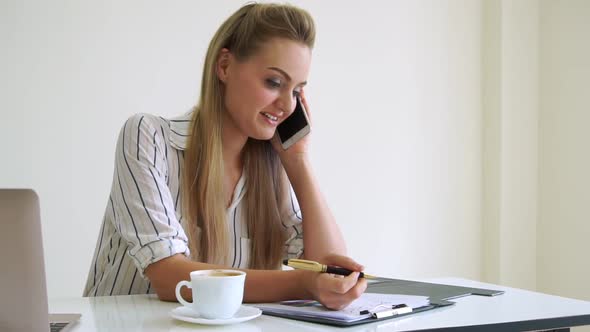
point(217, 294)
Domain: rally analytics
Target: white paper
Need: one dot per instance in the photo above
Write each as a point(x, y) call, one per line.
point(367, 301)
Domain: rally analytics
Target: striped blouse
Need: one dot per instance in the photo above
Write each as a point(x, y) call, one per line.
point(143, 221)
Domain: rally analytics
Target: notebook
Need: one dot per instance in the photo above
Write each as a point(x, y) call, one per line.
point(23, 293)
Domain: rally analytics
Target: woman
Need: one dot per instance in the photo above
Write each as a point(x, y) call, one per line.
point(214, 188)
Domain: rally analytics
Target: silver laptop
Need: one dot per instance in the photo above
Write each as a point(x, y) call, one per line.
point(23, 293)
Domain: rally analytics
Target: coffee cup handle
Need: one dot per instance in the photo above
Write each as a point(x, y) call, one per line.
point(179, 296)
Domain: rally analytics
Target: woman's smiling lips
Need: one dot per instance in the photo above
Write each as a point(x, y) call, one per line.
point(270, 118)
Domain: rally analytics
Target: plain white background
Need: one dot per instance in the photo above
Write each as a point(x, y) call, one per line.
point(431, 140)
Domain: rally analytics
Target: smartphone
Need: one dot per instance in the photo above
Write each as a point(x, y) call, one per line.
point(294, 127)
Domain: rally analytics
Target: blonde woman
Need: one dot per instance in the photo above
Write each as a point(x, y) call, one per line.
point(213, 188)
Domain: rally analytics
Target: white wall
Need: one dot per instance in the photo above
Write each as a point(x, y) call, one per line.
point(510, 99)
point(562, 263)
point(397, 143)
point(395, 93)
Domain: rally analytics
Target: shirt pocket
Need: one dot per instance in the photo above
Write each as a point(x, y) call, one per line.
point(244, 253)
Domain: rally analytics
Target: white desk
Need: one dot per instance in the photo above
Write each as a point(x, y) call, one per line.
point(515, 310)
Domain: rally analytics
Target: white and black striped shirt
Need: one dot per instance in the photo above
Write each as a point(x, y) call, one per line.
point(143, 221)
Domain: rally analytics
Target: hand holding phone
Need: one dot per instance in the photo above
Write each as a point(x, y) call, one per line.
point(294, 127)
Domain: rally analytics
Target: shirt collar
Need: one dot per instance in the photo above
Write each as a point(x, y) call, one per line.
point(180, 130)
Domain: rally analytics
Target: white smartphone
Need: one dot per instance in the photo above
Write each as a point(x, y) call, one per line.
point(294, 127)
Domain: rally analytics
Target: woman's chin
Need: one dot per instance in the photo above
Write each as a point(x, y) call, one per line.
point(263, 136)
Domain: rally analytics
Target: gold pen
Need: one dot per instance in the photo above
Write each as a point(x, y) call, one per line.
point(303, 264)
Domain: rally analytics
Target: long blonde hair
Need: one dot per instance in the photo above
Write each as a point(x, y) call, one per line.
point(243, 34)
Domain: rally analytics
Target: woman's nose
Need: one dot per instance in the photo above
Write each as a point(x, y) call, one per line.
point(287, 103)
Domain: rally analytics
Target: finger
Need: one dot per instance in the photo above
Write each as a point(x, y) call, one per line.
point(352, 279)
point(275, 141)
point(358, 289)
point(355, 292)
point(339, 301)
point(305, 104)
point(345, 262)
point(340, 285)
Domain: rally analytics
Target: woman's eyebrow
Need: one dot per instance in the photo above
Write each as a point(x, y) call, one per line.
point(284, 73)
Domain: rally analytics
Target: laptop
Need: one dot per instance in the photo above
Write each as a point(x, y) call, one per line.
point(23, 293)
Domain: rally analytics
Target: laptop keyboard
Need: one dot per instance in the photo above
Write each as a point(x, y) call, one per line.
point(56, 327)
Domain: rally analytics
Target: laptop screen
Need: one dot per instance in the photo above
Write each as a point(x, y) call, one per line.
point(23, 292)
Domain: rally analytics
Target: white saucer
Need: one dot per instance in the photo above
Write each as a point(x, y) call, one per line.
point(188, 315)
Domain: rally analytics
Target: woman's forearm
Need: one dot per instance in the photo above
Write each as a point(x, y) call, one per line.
point(275, 285)
point(260, 286)
point(322, 234)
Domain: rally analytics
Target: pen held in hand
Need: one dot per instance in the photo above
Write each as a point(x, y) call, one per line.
point(303, 264)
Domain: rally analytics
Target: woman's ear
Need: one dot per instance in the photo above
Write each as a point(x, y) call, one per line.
point(222, 65)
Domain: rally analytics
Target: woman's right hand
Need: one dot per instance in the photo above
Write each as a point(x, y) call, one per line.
point(334, 291)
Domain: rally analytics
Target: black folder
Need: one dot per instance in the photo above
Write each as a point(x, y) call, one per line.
point(438, 294)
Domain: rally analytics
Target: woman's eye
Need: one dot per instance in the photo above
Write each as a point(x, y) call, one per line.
point(273, 83)
point(296, 93)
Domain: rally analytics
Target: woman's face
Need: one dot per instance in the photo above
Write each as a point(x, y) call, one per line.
point(261, 91)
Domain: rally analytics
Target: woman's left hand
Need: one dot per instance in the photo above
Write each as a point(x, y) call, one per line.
point(299, 149)
point(336, 292)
